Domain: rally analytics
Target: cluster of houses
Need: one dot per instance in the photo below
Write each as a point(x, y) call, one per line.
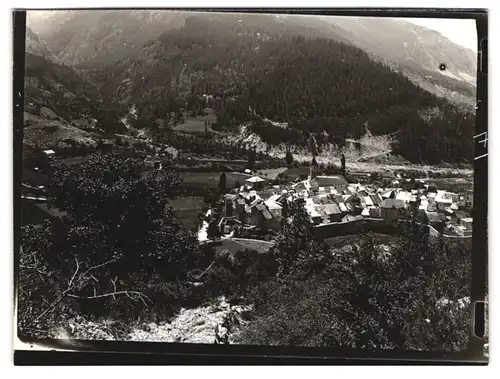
point(331, 199)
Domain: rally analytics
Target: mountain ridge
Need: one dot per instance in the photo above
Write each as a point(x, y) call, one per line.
point(286, 70)
point(76, 44)
point(407, 43)
point(52, 84)
point(317, 85)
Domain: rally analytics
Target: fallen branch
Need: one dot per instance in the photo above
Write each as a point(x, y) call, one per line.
point(74, 275)
point(72, 282)
point(99, 265)
point(139, 295)
point(52, 305)
point(204, 272)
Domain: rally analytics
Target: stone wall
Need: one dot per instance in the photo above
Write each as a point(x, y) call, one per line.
point(355, 227)
point(374, 225)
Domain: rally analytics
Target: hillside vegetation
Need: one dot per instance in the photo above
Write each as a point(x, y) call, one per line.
point(410, 45)
point(282, 77)
point(58, 86)
point(101, 265)
point(314, 84)
point(91, 37)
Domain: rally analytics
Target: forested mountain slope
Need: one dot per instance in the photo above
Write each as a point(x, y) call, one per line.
point(411, 45)
point(301, 71)
point(37, 46)
point(93, 37)
point(90, 39)
point(315, 84)
point(418, 53)
point(55, 85)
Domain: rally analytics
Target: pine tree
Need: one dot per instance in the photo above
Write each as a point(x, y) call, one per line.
point(296, 249)
point(288, 156)
point(222, 182)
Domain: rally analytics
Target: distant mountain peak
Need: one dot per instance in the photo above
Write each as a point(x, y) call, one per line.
point(36, 46)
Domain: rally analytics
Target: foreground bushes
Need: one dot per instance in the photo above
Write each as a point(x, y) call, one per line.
point(113, 251)
point(368, 298)
point(368, 301)
point(120, 255)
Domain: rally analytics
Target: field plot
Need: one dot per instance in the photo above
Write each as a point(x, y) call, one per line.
point(367, 167)
point(295, 173)
point(186, 209)
point(210, 180)
point(453, 184)
point(271, 173)
point(192, 125)
point(200, 179)
point(197, 124)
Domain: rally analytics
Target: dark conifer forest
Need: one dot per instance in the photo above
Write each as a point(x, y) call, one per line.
point(315, 84)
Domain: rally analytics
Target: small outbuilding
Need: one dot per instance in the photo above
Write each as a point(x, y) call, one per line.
point(49, 154)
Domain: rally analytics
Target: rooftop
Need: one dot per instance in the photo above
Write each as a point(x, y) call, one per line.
point(392, 203)
point(255, 179)
point(329, 181)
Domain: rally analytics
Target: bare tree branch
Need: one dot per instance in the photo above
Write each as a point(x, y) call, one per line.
point(66, 293)
point(74, 275)
point(204, 272)
point(53, 304)
point(139, 295)
point(99, 265)
point(114, 285)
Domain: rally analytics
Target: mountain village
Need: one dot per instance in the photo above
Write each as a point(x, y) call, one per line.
point(260, 206)
point(249, 179)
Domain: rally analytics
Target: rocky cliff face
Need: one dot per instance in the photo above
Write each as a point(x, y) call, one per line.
point(36, 46)
point(100, 37)
point(410, 45)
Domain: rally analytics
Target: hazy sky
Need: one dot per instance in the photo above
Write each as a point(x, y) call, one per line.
point(462, 32)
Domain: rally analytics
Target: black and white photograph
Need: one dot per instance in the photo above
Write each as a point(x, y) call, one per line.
point(250, 178)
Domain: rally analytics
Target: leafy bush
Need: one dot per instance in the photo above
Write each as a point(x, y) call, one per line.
point(237, 274)
point(115, 247)
point(366, 299)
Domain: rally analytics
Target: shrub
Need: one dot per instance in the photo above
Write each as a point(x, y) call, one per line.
point(117, 244)
point(236, 274)
point(366, 299)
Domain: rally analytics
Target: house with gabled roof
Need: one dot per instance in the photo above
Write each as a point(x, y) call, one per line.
point(260, 216)
point(368, 201)
point(274, 207)
point(376, 199)
point(392, 209)
point(227, 224)
point(436, 220)
point(375, 212)
point(336, 181)
point(431, 205)
point(312, 210)
point(49, 154)
point(443, 200)
point(354, 205)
